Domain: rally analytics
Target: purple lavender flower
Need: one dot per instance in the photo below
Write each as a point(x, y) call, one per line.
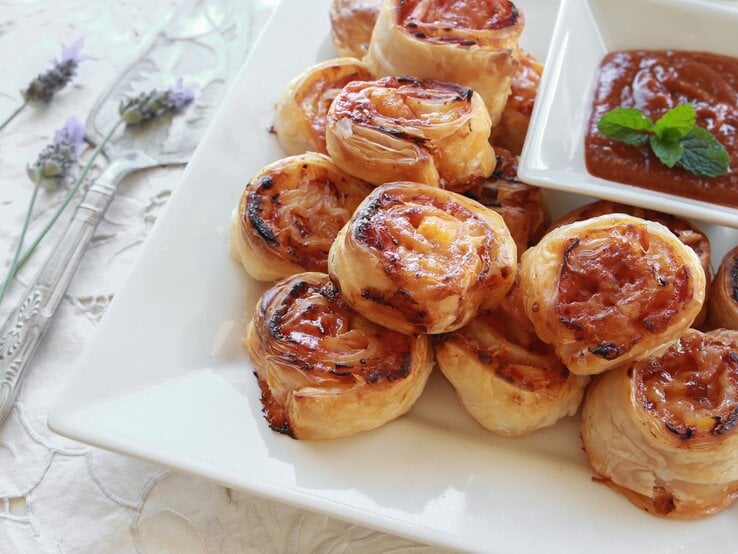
point(54, 163)
point(45, 85)
point(180, 95)
point(153, 104)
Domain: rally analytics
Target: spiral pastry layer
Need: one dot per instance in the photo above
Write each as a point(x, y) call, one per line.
point(513, 125)
point(406, 129)
point(610, 289)
point(522, 206)
point(723, 304)
point(419, 259)
point(352, 23)
point(663, 430)
point(289, 215)
point(510, 381)
point(301, 111)
point(472, 43)
point(684, 230)
point(324, 370)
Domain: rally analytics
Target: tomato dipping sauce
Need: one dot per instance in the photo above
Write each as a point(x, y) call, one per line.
point(655, 82)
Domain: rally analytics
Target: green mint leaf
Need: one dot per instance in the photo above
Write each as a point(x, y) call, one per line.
point(676, 123)
point(668, 151)
point(703, 154)
point(627, 125)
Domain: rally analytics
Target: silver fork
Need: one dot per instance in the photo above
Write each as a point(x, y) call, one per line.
point(218, 25)
point(21, 334)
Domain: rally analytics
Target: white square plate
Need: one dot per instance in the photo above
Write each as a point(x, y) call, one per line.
point(584, 32)
point(165, 378)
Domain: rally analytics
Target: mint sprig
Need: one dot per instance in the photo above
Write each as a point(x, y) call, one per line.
point(675, 138)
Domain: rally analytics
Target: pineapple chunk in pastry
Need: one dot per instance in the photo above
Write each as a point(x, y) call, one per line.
point(474, 43)
point(663, 430)
point(300, 115)
point(406, 129)
point(325, 371)
point(289, 215)
point(611, 289)
point(419, 259)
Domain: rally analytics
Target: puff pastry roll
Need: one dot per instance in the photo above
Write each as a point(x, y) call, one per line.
point(610, 289)
point(352, 23)
point(406, 129)
point(510, 381)
point(723, 304)
point(683, 229)
point(472, 43)
point(324, 370)
point(301, 111)
point(663, 430)
point(289, 215)
point(513, 126)
point(522, 206)
point(419, 259)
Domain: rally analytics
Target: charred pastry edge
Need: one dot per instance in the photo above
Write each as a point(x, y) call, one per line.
point(365, 118)
point(676, 224)
point(417, 318)
point(389, 391)
point(542, 299)
point(608, 350)
point(503, 395)
point(683, 432)
point(487, 357)
point(329, 290)
point(669, 494)
point(432, 317)
point(256, 237)
point(361, 222)
point(253, 211)
point(511, 21)
point(299, 120)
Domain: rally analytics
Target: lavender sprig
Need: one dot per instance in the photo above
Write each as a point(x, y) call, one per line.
point(134, 111)
point(53, 165)
point(49, 171)
point(43, 88)
point(150, 105)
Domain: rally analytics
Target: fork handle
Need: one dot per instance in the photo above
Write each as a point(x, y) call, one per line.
point(26, 325)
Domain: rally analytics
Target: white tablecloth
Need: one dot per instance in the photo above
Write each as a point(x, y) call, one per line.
point(57, 495)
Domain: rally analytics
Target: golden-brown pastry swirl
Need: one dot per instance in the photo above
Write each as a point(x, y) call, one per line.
point(406, 129)
point(289, 215)
point(685, 231)
point(420, 259)
point(512, 128)
point(472, 43)
point(352, 23)
point(610, 289)
point(301, 111)
point(522, 206)
point(324, 370)
point(723, 303)
point(510, 381)
point(663, 430)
